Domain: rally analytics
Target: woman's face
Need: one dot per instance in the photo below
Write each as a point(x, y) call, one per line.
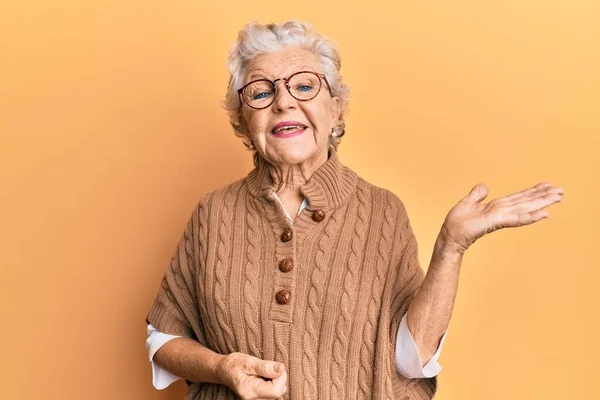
point(319, 115)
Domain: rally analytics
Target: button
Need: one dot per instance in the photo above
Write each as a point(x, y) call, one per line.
point(286, 265)
point(287, 235)
point(283, 296)
point(318, 215)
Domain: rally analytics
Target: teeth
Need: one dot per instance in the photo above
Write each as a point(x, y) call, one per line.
point(289, 128)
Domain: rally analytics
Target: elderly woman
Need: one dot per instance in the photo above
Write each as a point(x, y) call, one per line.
point(301, 280)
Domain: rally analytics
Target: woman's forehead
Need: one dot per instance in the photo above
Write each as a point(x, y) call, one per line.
point(281, 64)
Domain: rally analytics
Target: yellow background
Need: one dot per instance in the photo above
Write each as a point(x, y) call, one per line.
point(111, 130)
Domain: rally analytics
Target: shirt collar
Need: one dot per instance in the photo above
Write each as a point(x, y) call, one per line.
point(302, 206)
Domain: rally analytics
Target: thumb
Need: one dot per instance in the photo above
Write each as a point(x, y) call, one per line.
point(477, 194)
point(268, 369)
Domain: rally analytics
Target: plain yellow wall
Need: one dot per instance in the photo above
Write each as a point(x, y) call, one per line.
point(111, 130)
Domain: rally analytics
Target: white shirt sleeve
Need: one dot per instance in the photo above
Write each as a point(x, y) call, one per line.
point(161, 378)
point(408, 362)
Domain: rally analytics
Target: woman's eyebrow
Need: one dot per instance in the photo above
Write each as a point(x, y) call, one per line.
point(259, 74)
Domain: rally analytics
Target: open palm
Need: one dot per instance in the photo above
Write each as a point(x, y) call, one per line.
point(470, 219)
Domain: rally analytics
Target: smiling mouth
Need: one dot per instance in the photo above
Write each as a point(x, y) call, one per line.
point(288, 129)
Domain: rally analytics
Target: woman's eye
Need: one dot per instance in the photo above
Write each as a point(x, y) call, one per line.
point(305, 88)
point(260, 95)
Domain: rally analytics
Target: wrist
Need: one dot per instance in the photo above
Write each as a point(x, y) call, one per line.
point(446, 246)
point(219, 368)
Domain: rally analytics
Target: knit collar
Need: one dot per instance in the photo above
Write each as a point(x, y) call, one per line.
point(328, 187)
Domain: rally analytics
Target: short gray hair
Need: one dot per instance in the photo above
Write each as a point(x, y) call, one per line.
point(256, 39)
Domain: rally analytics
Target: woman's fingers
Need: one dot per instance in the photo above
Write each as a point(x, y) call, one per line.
point(529, 210)
point(253, 378)
point(477, 194)
point(527, 218)
point(280, 383)
point(269, 389)
point(537, 203)
point(266, 369)
point(264, 379)
point(519, 196)
point(531, 194)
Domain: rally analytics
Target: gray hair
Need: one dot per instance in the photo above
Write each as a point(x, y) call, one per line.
point(256, 39)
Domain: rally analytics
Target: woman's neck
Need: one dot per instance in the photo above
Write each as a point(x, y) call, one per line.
point(293, 176)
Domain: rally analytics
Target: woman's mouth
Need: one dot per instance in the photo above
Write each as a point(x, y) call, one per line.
point(289, 131)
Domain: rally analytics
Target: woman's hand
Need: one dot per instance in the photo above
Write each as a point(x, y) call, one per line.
point(252, 378)
point(470, 219)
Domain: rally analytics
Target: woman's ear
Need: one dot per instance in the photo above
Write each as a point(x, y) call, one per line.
point(238, 125)
point(337, 110)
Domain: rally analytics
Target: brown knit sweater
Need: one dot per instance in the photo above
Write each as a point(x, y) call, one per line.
point(324, 296)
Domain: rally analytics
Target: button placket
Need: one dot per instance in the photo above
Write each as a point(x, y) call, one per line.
point(283, 296)
point(284, 284)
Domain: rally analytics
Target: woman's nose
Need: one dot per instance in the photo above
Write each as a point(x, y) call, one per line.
point(283, 99)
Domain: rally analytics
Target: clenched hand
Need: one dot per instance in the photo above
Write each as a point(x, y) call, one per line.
point(252, 378)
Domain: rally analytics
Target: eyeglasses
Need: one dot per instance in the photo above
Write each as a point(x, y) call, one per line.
point(303, 86)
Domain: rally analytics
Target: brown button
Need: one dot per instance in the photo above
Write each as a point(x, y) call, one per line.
point(319, 215)
point(286, 265)
point(283, 296)
point(287, 235)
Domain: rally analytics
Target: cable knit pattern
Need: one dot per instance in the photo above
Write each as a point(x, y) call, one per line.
point(281, 339)
point(385, 243)
point(315, 299)
point(201, 216)
point(251, 273)
point(345, 319)
point(177, 297)
point(323, 295)
point(221, 271)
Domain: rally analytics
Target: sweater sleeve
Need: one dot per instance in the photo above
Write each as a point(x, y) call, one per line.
point(408, 278)
point(175, 309)
point(409, 274)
